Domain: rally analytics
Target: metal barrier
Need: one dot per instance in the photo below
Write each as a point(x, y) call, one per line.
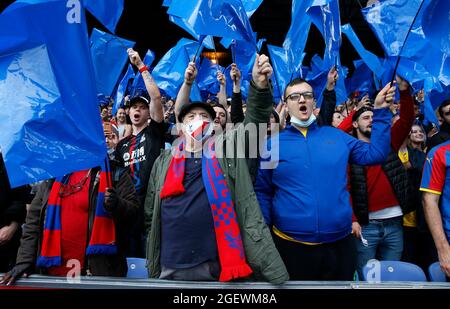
point(48, 282)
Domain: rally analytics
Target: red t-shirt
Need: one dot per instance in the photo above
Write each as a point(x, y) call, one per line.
point(379, 190)
point(74, 225)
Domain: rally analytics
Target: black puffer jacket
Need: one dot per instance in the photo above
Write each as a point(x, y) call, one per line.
point(12, 201)
point(398, 178)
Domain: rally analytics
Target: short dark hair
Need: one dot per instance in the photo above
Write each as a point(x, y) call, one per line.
point(295, 81)
point(360, 112)
point(443, 104)
point(222, 107)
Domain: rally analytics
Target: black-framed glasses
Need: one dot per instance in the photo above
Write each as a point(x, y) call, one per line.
point(296, 96)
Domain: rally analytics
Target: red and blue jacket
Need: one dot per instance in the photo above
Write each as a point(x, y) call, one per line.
point(304, 195)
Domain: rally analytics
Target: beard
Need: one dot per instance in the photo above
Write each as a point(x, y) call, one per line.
point(366, 133)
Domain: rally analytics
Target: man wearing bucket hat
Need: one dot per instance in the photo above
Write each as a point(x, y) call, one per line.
point(201, 214)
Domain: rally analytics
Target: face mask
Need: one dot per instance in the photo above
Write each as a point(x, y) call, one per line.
point(303, 124)
point(199, 129)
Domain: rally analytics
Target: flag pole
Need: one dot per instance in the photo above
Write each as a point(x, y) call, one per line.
point(404, 43)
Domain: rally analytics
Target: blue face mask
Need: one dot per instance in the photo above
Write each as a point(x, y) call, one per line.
point(303, 124)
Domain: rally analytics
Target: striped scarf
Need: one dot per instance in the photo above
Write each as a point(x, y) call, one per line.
point(229, 243)
point(103, 234)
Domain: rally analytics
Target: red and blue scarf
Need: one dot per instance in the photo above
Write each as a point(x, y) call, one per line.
point(103, 234)
point(228, 235)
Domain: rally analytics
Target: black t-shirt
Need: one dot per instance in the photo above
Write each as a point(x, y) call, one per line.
point(187, 227)
point(138, 152)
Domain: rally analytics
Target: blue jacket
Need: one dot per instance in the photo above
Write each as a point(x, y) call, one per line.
point(304, 194)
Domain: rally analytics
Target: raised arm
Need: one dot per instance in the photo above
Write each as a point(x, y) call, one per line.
point(400, 130)
point(156, 108)
point(260, 99)
point(222, 95)
point(377, 150)
point(325, 117)
point(183, 94)
point(237, 114)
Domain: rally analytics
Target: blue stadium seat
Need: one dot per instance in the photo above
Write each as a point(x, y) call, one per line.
point(137, 268)
point(379, 271)
point(436, 273)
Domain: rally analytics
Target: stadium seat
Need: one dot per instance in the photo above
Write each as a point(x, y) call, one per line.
point(379, 271)
point(436, 273)
point(137, 268)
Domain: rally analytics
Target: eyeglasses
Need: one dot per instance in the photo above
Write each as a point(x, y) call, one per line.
point(295, 97)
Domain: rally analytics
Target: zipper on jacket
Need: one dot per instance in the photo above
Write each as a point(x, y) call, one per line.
point(312, 175)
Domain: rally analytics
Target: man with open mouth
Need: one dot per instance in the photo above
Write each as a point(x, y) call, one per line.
point(139, 151)
point(304, 199)
point(201, 214)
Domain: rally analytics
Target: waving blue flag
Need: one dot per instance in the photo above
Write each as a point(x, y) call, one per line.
point(250, 6)
point(361, 80)
point(244, 55)
point(370, 59)
point(53, 126)
point(122, 88)
point(169, 72)
point(436, 24)
point(391, 20)
point(108, 12)
point(222, 18)
point(109, 56)
point(207, 76)
point(295, 40)
point(391, 30)
point(279, 59)
point(207, 42)
point(325, 15)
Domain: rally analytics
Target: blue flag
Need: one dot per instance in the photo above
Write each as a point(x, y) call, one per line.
point(208, 42)
point(250, 6)
point(370, 59)
point(222, 18)
point(108, 12)
point(436, 24)
point(48, 105)
point(391, 20)
point(109, 56)
point(279, 59)
point(295, 40)
point(325, 15)
point(122, 88)
point(207, 76)
point(391, 30)
point(361, 80)
point(169, 72)
point(244, 55)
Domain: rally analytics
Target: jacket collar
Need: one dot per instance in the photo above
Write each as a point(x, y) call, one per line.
point(292, 128)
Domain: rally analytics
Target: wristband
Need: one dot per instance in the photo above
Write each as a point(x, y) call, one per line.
point(144, 68)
